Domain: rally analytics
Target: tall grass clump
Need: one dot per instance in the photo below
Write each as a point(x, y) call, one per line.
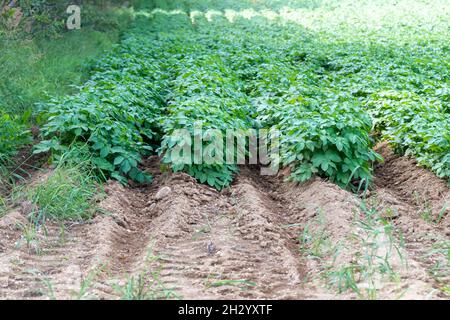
point(68, 192)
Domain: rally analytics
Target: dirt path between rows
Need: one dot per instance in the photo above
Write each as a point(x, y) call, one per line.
point(260, 239)
point(420, 205)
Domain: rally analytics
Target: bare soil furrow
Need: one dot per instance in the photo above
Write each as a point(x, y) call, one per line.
point(419, 205)
point(262, 238)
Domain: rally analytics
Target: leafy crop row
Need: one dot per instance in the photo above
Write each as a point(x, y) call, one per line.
point(415, 127)
point(177, 79)
point(13, 136)
point(115, 113)
point(322, 89)
point(325, 132)
point(204, 90)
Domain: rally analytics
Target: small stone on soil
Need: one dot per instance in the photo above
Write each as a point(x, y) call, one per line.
point(162, 193)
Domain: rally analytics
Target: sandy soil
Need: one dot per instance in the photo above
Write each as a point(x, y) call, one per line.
point(260, 239)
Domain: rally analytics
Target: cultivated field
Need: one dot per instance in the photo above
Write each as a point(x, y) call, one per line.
point(97, 207)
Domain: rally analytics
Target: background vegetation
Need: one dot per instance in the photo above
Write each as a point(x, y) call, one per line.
point(326, 75)
point(40, 59)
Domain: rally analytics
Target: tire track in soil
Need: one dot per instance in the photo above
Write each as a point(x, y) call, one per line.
point(26, 267)
point(210, 241)
point(242, 242)
point(89, 253)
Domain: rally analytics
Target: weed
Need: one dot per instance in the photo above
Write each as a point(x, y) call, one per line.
point(66, 194)
point(442, 213)
point(31, 238)
point(439, 256)
point(146, 286)
point(372, 246)
point(316, 243)
point(49, 289)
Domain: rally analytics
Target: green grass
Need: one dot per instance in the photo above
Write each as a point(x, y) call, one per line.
point(30, 238)
point(35, 68)
point(145, 286)
point(67, 192)
point(439, 256)
point(65, 195)
point(316, 244)
point(362, 260)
